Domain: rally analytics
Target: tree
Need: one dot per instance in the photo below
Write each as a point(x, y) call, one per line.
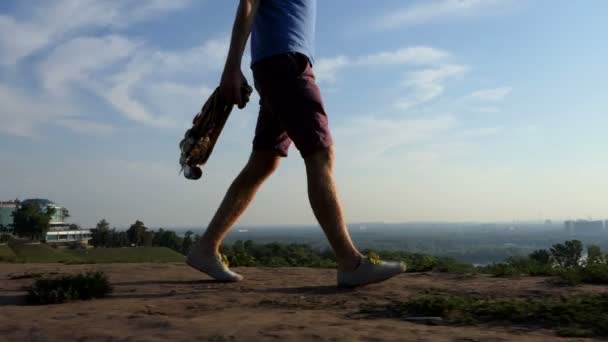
point(541, 256)
point(32, 220)
point(136, 232)
point(187, 243)
point(100, 235)
point(594, 255)
point(65, 213)
point(167, 238)
point(568, 254)
point(148, 238)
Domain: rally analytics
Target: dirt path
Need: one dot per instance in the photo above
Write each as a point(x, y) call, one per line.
point(171, 302)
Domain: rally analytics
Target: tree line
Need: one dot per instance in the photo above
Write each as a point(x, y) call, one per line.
point(566, 260)
point(139, 235)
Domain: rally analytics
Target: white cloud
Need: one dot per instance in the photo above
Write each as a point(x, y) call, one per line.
point(51, 21)
point(77, 59)
point(326, 69)
point(490, 95)
point(148, 86)
point(86, 127)
point(18, 40)
point(21, 112)
point(426, 11)
point(481, 132)
point(417, 55)
point(353, 139)
point(428, 84)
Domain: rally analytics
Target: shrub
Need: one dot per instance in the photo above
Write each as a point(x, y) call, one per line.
point(501, 270)
point(583, 315)
point(570, 277)
point(64, 288)
point(595, 274)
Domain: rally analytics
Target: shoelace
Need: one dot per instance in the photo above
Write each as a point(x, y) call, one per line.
point(373, 258)
point(224, 260)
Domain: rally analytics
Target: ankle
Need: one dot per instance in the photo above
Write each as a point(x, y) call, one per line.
point(206, 249)
point(349, 264)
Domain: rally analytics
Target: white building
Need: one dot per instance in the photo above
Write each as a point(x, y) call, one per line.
point(59, 230)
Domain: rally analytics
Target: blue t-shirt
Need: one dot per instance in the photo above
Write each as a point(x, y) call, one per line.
point(282, 26)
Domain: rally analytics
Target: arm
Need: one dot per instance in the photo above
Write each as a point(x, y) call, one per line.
point(232, 77)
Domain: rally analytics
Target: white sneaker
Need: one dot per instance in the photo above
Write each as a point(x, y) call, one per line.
point(215, 266)
point(370, 270)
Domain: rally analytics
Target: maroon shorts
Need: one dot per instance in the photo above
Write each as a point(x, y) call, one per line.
point(291, 107)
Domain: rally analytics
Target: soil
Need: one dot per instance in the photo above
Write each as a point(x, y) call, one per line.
point(172, 302)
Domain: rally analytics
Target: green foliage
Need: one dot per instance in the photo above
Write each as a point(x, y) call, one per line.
point(187, 243)
point(6, 254)
point(564, 260)
point(569, 277)
point(4, 238)
point(595, 274)
point(45, 254)
point(136, 233)
point(595, 256)
point(582, 315)
point(167, 238)
point(32, 220)
point(568, 254)
point(64, 288)
point(541, 257)
point(40, 253)
point(248, 253)
point(276, 255)
point(100, 235)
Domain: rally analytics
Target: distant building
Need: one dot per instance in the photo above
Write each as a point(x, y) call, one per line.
point(584, 227)
point(59, 230)
point(58, 218)
point(6, 213)
point(69, 235)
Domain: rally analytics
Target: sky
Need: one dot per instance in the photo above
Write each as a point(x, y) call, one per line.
point(441, 110)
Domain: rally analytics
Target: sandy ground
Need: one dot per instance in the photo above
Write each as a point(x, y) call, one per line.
point(171, 302)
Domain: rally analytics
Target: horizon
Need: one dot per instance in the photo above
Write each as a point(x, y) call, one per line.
point(441, 110)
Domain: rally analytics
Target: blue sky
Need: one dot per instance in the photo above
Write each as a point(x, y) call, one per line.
point(442, 110)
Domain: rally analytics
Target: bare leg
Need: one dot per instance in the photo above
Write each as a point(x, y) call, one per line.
point(261, 164)
point(326, 206)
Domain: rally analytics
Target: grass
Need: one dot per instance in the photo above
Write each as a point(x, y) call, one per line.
point(59, 289)
point(6, 254)
point(128, 254)
point(41, 253)
point(581, 315)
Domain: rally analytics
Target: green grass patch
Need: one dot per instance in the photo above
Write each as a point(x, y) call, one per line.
point(127, 254)
point(64, 288)
point(582, 315)
point(41, 253)
point(7, 254)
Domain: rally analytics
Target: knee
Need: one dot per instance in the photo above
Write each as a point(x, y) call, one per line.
point(323, 158)
point(262, 164)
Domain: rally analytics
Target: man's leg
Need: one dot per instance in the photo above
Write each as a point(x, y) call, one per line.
point(326, 206)
point(353, 269)
point(261, 164)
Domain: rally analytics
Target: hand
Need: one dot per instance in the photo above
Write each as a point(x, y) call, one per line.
point(230, 87)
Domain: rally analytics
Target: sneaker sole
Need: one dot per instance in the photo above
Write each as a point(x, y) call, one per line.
point(191, 264)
